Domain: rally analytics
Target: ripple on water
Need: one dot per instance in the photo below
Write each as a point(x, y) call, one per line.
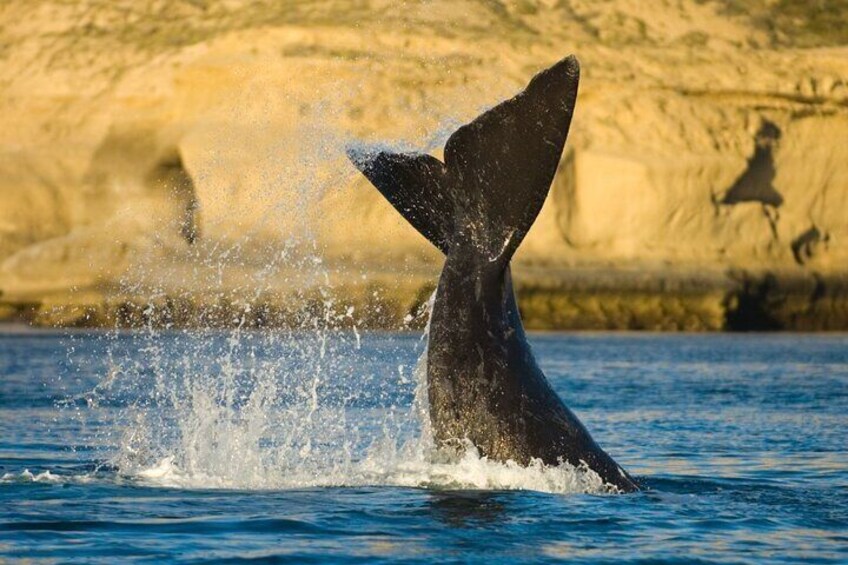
point(739, 440)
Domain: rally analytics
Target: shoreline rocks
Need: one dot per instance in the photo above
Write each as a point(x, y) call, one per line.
point(194, 152)
point(738, 301)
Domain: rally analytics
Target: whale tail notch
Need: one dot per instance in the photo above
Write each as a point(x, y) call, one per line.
point(496, 174)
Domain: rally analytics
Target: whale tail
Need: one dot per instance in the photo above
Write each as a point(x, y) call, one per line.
point(496, 174)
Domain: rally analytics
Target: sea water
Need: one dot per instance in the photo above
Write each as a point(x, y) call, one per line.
point(314, 446)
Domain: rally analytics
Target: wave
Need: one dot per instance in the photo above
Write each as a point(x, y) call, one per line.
point(468, 472)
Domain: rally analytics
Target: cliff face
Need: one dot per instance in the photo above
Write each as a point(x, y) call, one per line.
point(179, 149)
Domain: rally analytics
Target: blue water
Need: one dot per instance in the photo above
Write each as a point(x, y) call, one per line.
point(110, 452)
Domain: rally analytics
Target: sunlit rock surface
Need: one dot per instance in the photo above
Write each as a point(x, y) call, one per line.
point(183, 163)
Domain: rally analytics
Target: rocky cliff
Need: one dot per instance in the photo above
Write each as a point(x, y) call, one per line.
point(183, 162)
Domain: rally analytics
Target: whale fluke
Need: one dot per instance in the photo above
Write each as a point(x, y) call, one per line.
point(483, 382)
point(416, 185)
point(497, 170)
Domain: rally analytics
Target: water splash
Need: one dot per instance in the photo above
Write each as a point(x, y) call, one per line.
point(291, 409)
point(312, 404)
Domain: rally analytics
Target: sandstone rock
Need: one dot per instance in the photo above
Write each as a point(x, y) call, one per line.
point(197, 151)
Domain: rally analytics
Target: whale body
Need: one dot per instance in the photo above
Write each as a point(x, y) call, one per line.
point(483, 382)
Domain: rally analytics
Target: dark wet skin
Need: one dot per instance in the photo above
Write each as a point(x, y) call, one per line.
point(484, 384)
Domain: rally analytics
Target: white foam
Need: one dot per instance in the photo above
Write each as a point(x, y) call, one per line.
point(201, 439)
point(470, 472)
point(224, 420)
point(26, 476)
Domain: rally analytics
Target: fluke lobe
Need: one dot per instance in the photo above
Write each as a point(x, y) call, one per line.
point(483, 383)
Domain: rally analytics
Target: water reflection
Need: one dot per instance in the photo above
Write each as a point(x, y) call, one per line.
point(467, 509)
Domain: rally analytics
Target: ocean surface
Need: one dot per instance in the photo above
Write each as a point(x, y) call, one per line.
point(314, 447)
